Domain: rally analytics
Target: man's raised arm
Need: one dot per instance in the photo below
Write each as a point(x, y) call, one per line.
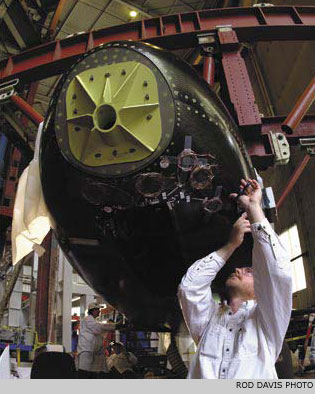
point(194, 291)
point(272, 270)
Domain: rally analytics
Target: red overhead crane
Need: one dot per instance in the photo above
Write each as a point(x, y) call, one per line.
point(229, 26)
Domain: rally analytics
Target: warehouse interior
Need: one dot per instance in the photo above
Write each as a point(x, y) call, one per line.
point(257, 62)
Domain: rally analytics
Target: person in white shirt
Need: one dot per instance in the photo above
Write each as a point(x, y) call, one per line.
point(243, 339)
point(121, 363)
point(91, 357)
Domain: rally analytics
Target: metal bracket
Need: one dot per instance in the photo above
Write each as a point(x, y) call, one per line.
point(281, 148)
point(7, 89)
point(308, 144)
point(206, 38)
point(269, 204)
point(263, 5)
point(224, 28)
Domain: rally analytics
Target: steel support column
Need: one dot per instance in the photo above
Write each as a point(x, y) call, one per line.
point(41, 319)
point(8, 195)
point(30, 99)
point(66, 301)
point(52, 287)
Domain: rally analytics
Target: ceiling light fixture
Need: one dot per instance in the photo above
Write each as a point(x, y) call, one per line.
point(133, 14)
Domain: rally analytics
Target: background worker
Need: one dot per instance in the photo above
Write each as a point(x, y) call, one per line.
point(120, 363)
point(91, 357)
point(242, 339)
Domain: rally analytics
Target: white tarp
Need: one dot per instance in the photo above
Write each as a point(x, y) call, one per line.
point(5, 369)
point(31, 219)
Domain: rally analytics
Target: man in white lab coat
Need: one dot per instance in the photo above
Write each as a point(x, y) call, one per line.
point(241, 339)
point(91, 357)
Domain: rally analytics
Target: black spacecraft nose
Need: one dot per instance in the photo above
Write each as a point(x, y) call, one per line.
point(138, 157)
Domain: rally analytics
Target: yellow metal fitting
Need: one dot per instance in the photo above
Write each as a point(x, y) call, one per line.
point(113, 114)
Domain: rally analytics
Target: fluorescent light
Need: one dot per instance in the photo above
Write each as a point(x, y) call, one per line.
point(75, 299)
point(133, 14)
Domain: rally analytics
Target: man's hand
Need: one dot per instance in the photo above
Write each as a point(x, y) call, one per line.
point(240, 227)
point(250, 200)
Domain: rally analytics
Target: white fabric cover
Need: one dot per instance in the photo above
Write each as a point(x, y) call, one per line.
point(31, 219)
point(5, 372)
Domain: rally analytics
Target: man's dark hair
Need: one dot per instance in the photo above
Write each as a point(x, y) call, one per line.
point(90, 311)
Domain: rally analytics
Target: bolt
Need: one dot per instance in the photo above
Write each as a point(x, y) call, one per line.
point(75, 111)
point(107, 75)
point(149, 117)
point(145, 83)
point(91, 78)
point(280, 137)
point(132, 150)
point(147, 97)
point(98, 155)
point(123, 72)
point(114, 152)
point(77, 128)
point(74, 97)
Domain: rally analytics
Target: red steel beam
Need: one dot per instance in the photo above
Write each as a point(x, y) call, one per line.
point(305, 129)
point(30, 99)
point(299, 110)
point(8, 195)
point(170, 32)
point(259, 146)
point(294, 178)
point(27, 109)
point(237, 79)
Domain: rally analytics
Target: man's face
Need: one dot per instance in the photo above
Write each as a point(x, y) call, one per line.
point(95, 313)
point(242, 282)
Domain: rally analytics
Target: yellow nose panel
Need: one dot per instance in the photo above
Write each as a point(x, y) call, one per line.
point(113, 114)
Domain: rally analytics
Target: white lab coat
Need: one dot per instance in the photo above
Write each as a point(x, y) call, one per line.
point(90, 346)
point(244, 345)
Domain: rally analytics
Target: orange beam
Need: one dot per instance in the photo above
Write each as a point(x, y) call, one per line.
point(247, 3)
point(301, 107)
point(56, 17)
point(27, 109)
